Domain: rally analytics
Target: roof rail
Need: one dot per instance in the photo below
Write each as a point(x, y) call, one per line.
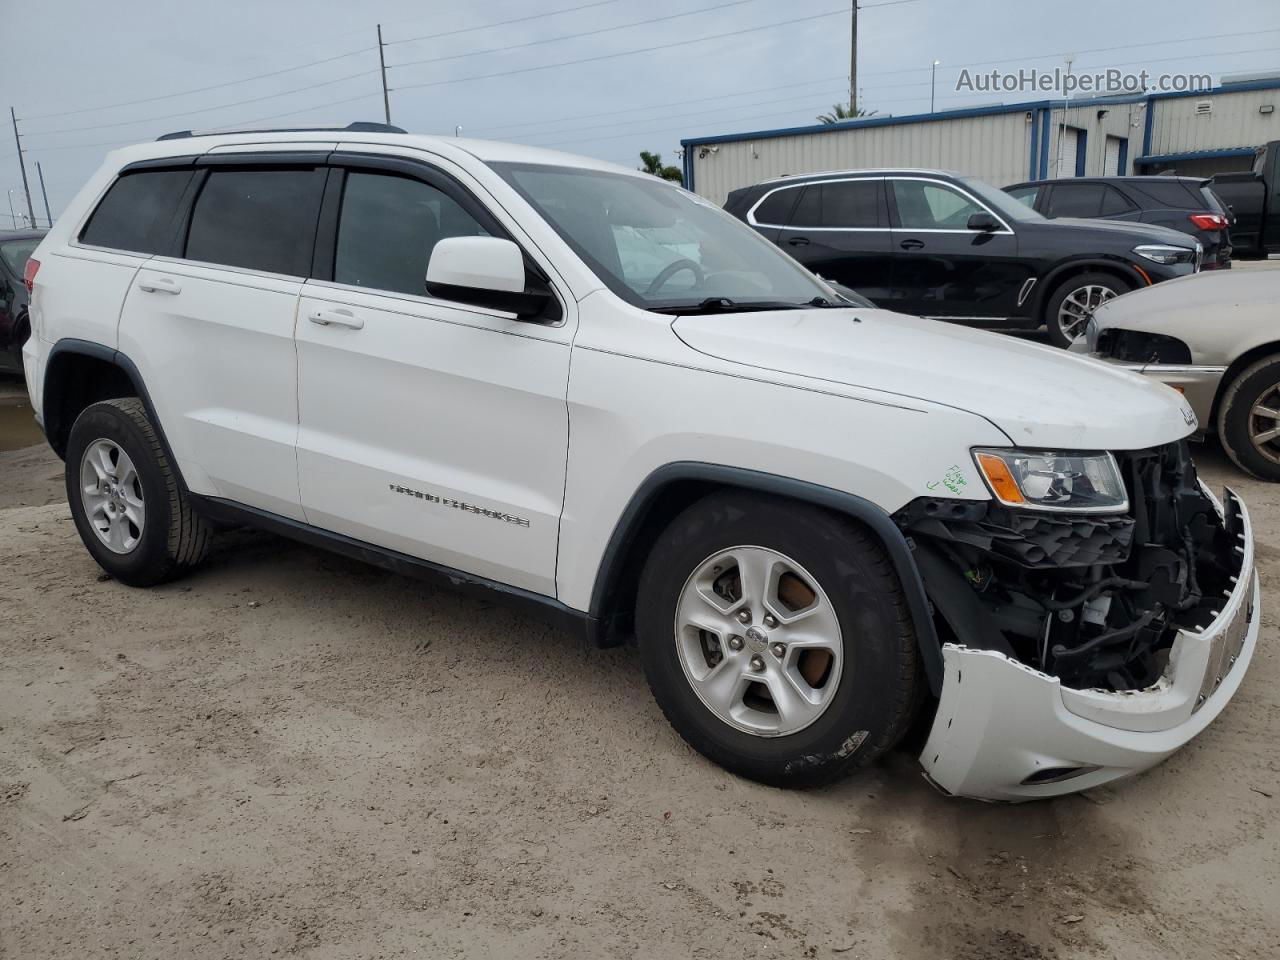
point(359, 126)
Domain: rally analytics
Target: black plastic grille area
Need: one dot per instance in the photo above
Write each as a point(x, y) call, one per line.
point(1034, 541)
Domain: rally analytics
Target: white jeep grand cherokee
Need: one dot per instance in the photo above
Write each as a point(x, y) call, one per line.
point(586, 388)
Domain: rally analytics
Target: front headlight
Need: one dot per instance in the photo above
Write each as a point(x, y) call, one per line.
point(1039, 480)
point(1162, 253)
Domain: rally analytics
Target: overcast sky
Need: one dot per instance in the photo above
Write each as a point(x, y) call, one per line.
point(98, 59)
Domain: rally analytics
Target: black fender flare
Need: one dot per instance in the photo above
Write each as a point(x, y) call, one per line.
point(873, 516)
point(53, 427)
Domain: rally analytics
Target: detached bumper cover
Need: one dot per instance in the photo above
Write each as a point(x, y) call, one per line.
point(1005, 731)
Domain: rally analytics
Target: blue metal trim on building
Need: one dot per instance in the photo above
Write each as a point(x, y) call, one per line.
point(1045, 127)
point(1148, 123)
point(1082, 150)
point(1122, 163)
point(868, 122)
point(994, 110)
point(687, 163)
point(1035, 143)
point(1148, 161)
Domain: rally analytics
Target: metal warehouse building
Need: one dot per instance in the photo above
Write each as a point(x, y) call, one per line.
point(1199, 133)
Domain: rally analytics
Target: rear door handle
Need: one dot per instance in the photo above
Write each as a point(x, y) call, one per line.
point(336, 318)
point(160, 285)
point(799, 241)
point(911, 244)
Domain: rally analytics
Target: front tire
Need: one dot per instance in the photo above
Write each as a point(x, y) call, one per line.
point(128, 506)
point(776, 638)
point(1067, 311)
point(1249, 419)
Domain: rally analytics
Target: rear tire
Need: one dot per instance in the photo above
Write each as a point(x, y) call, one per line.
point(1244, 424)
point(128, 506)
point(853, 662)
point(1066, 312)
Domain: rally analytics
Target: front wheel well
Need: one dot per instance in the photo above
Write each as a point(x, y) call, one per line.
point(1055, 281)
point(673, 488)
point(74, 381)
point(1238, 366)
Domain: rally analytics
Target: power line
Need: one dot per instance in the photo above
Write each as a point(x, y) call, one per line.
point(221, 106)
point(183, 93)
point(660, 106)
point(504, 23)
point(696, 113)
point(575, 36)
point(626, 53)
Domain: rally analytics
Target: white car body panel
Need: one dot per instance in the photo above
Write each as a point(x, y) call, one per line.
point(464, 405)
point(221, 369)
point(487, 424)
point(910, 357)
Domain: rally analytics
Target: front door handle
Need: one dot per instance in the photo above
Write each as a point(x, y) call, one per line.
point(799, 241)
point(336, 318)
point(911, 244)
point(160, 285)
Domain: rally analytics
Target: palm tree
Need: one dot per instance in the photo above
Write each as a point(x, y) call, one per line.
point(653, 164)
point(840, 111)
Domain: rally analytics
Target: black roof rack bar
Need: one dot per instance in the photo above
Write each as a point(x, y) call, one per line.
point(360, 126)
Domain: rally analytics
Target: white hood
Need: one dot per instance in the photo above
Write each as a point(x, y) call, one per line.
point(1039, 396)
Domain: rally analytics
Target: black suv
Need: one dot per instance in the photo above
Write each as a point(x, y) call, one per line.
point(15, 249)
point(954, 248)
point(1185, 204)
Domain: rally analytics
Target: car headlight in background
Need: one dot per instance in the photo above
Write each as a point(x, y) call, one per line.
point(1165, 253)
point(1041, 480)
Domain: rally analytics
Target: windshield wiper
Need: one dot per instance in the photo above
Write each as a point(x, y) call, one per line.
point(727, 305)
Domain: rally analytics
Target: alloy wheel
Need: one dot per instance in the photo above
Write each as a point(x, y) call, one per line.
point(1264, 424)
point(759, 641)
point(1078, 307)
point(111, 492)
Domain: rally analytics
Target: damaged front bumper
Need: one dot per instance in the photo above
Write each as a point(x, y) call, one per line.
point(1006, 731)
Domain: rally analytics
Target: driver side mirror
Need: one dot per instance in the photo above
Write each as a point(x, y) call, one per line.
point(484, 272)
point(983, 221)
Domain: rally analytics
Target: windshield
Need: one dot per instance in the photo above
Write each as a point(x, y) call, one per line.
point(659, 247)
point(16, 253)
point(1003, 204)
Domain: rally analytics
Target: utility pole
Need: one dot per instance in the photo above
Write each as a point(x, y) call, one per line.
point(44, 193)
point(13, 217)
point(382, 64)
point(853, 62)
point(22, 164)
point(933, 85)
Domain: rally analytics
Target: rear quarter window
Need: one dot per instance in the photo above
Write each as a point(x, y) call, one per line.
point(1171, 193)
point(138, 212)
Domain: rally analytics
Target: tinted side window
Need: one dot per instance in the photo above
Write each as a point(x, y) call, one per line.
point(1113, 202)
point(1075, 199)
point(388, 227)
point(1025, 195)
point(776, 208)
point(1171, 193)
point(808, 212)
point(923, 205)
point(137, 212)
point(260, 219)
point(851, 203)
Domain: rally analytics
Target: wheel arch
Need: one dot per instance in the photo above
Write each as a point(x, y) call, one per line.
point(673, 487)
point(1233, 371)
point(79, 373)
point(1063, 271)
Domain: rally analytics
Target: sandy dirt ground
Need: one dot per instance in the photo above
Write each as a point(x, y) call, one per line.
point(288, 754)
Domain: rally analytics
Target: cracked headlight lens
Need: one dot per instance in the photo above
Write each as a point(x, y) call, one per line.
point(1041, 480)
